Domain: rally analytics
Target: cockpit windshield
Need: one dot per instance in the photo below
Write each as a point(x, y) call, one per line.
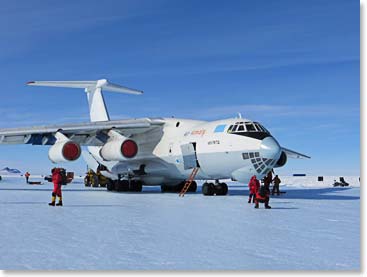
point(248, 126)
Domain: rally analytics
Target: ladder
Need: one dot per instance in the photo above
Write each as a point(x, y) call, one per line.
point(189, 181)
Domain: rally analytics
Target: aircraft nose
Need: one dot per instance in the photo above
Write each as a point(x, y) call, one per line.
point(270, 148)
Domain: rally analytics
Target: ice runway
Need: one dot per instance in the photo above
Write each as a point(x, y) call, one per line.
point(308, 228)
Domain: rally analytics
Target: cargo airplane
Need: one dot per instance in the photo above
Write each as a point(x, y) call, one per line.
point(156, 151)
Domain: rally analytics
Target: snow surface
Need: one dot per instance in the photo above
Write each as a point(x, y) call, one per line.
point(312, 227)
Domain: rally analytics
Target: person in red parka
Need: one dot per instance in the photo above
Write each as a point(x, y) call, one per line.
point(262, 196)
point(253, 185)
point(57, 180)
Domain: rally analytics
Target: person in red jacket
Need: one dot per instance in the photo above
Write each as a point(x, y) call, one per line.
point(57, 180)
point(253, 185)
point(262, 196)
point(26, 175)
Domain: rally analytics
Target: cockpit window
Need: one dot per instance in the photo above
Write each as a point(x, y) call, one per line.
point(250, 127)
point(258, 127)
point(241, 128)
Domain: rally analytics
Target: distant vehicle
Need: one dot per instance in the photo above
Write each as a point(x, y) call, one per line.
point(157, 151)
point(341, 183)
point(96, 179)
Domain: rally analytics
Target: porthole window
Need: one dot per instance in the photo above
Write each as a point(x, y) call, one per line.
point(178, 123)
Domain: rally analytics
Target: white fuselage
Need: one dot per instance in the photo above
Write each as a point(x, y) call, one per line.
point(219, 153)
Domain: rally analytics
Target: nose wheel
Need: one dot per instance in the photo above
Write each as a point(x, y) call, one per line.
point(210, 189)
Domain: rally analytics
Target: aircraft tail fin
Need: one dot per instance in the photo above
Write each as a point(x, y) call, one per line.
point(97, 106)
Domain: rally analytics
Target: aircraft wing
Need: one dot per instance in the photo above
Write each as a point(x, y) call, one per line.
point(294, 155)
point(89, 134)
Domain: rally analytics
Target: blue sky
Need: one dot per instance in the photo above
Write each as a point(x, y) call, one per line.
point(292, 65)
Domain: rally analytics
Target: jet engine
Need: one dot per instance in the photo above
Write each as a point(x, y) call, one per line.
point(282, 160)
point(119, 150)
point(64, 151)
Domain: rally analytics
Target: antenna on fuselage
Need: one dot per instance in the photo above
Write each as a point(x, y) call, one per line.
point(239, 115)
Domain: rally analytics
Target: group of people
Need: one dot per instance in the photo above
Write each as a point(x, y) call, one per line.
point(261, 193)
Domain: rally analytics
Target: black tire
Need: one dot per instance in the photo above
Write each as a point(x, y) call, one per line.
point(136, 186)
point(164, 188)
point(86, 181)
point(193, 187)
point(208, 189)
point(221, 189)
point(111, 185)
point(179, 187)
point(122, 185)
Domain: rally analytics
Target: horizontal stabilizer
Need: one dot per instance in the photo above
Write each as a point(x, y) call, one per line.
point(294, 155)
point(88, 85)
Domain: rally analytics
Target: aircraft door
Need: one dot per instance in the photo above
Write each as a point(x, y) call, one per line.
point(189, 155)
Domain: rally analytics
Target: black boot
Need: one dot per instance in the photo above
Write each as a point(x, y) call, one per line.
point(53, 199)
point(267, 207)
point(257, 206)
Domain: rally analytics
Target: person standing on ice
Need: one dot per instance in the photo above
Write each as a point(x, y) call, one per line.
point(267, 180)
point(253, 185)
point(276, 182)
point(26, 175)
point(262, 196)
point(57, 180)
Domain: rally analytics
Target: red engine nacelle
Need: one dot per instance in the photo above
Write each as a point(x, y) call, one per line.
point(64, 151)
point(119, 150)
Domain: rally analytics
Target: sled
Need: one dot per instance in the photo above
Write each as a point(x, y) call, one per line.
point(35, 183)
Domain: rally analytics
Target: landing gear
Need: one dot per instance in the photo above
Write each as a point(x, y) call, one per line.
point(210, 189)
point(193, 187)
point(125, 185)
point(173, 189)
point(221, 189)
point(136, 186)
point(111, 185)
point(121, 185)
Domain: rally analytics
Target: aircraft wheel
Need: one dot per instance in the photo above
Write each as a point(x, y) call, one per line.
point(193, 187)
point(208, 189)
point(221, 189)
point(110, 185)
point(136, 186)
point(164, 188)
point(179, 187)
point(122, 185)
